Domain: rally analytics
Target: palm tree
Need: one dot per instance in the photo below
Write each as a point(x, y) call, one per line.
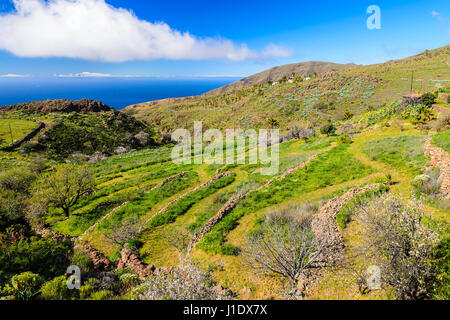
point(272, 122)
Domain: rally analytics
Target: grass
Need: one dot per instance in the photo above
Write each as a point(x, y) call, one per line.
point(144, 202)
point(442, 140)
point(315, 176)
point(344, 216)
point(19, 129)
point(404, 152)
point(183, 205)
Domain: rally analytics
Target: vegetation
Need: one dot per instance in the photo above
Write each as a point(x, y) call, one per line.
point(100, 176)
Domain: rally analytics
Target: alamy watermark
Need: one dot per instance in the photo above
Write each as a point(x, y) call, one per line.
point(74, 279)
point(374, 20)
point(374, 278)
point(236, 147)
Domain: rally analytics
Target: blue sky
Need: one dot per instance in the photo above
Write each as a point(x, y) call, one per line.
point(235, 38)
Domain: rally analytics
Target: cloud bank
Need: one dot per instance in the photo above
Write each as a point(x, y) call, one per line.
point(94, 30)
point(13, 75)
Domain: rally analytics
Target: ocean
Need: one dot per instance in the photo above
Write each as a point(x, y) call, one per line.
point(115, 92)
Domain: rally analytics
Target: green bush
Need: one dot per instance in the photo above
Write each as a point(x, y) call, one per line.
point(26, 285)
point(46, 257)
point(428, 99)
point(328, 129)
point(56, 289)
point(102, 295)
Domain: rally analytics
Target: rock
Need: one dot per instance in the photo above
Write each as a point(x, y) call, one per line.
point(143, 138)
point(121, 150)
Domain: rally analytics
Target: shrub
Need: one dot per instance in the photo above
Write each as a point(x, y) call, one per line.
point(184, 282)
point(26, 285)
point(328, 129)
point(129, 280)
point(428, 184)
point(102, 295)
point(56, 289)
point(396, 238)
point(428, 99)
point(348, 115)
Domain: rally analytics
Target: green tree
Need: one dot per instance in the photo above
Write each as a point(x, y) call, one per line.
point(328, 129)
point(428, 99)
point(66, 187)
point(273, 123)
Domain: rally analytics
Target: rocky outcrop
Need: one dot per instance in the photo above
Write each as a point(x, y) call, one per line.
point(441, 159)
point(62, 105)
point(329, 238)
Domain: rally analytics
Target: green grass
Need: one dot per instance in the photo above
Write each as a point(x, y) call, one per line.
point(344, 216)
point(330, 168)
point(405, 153)
point(442, 140)
point(19, 129)
point(144, 203)
point(183, 205)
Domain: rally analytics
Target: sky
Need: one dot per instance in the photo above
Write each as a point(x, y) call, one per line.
point(196, 38)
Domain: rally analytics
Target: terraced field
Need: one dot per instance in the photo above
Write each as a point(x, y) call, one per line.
point(166, 198)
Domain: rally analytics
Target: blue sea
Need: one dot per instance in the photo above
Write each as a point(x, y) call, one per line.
point(115, 92)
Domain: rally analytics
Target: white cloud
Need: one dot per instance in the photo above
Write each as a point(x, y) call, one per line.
point(95, 30)
point(435, 13)
point(13, 75)
point(91, 75)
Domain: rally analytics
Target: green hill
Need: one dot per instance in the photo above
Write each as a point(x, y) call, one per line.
point(326, 96)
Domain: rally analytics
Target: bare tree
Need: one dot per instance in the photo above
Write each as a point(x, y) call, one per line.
point(178, 239)
point(123, 231)
point(283, 247)
point(397, 240)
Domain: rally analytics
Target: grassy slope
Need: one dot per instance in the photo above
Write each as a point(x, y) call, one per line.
point(354, 89)
point(19, 128)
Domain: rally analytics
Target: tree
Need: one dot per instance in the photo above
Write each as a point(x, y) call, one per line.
point(283, 246)
point(328, 129)
point(122, 232)
point(273, 123)
point(66, 187)
point(428, 99)
point(186, 281)
point(396, 238)
point(348, 115)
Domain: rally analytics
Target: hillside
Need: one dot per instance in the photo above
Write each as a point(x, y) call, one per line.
point(62, 105)
point(72, 128)
point(324, 97)
point(303, 69)
point(369, 188)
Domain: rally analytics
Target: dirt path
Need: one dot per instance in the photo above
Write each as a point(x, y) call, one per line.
point(441, 159)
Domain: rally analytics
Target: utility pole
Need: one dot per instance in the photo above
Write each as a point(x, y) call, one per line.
point(10, 132)
point(412, 79)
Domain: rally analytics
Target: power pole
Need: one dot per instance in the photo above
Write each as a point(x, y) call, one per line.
point(412, 79)
point(10, 132)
